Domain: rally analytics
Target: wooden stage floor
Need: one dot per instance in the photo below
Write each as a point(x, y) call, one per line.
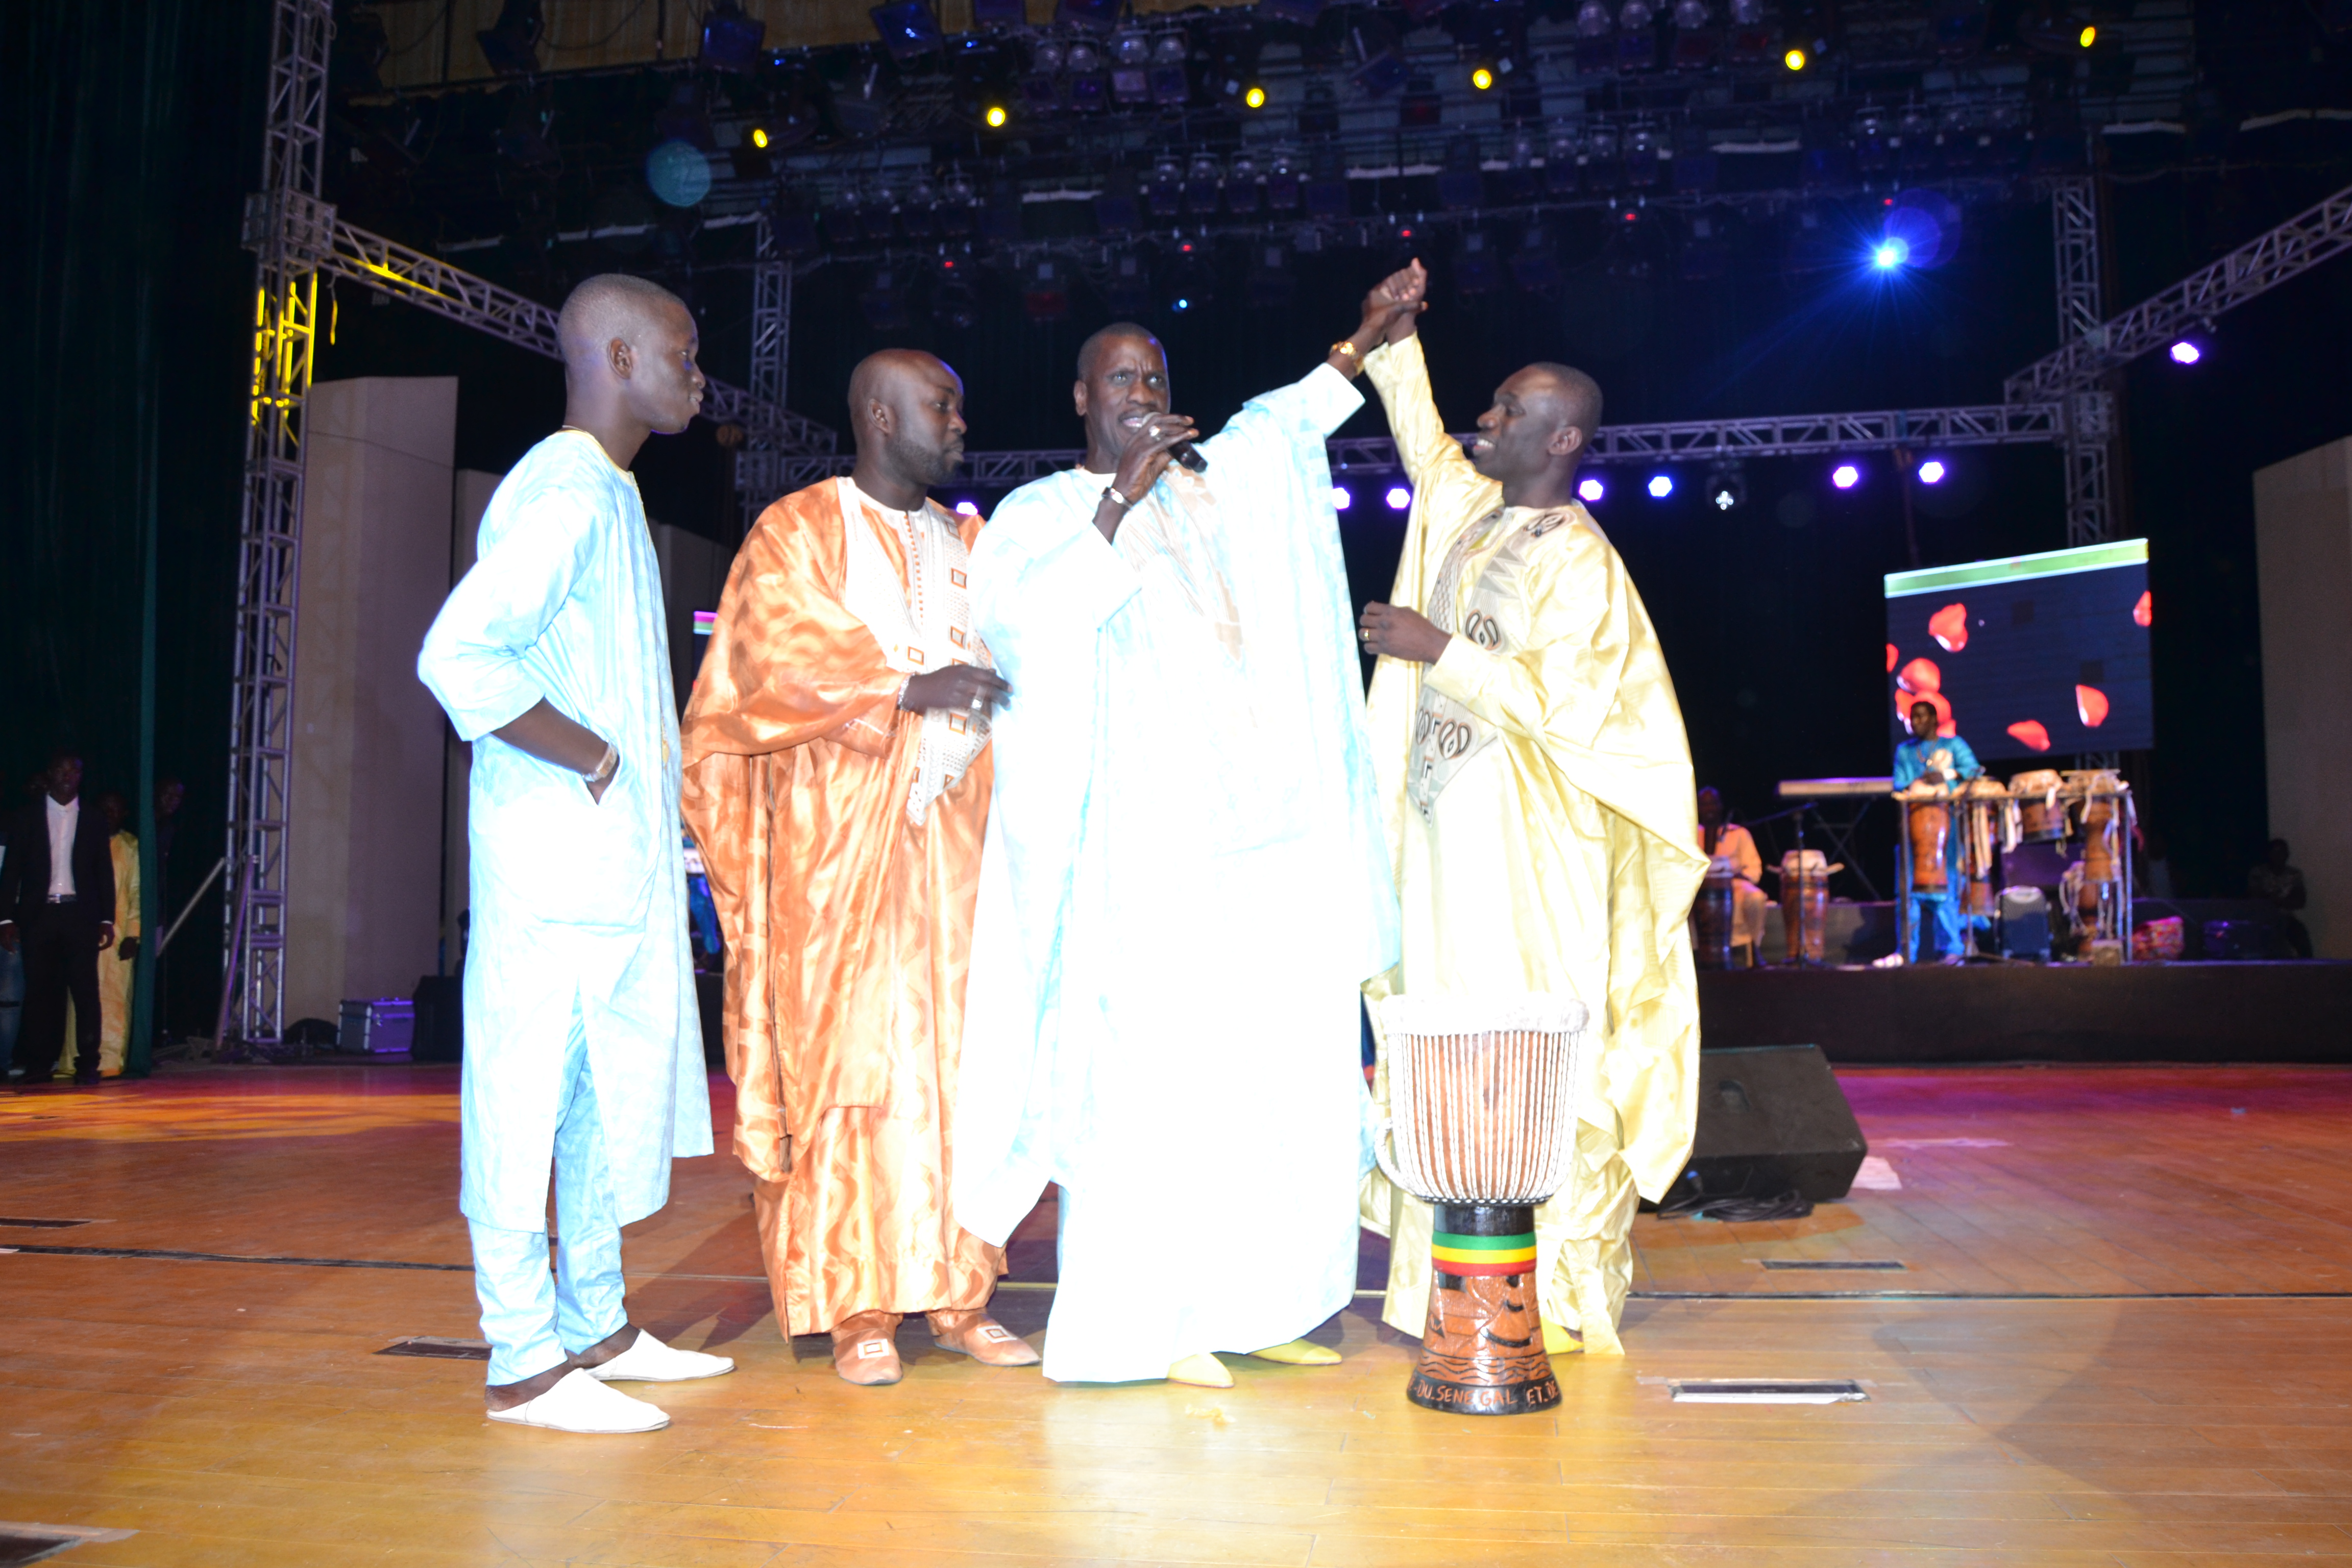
point(2122, 1336)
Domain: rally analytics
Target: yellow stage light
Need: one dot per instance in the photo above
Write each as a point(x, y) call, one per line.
point(995, 116)
point(1254, 98)
point(1794, 59)
point(758, 139)
point(1482, 79)
point(2090, 36)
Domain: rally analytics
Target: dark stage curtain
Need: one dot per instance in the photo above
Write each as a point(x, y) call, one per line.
point(129, 133)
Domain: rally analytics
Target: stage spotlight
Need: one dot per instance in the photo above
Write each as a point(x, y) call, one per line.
point(995, 116)
point(1889, 254)
point(2186, 352)
point(1933, 471)
point(1590, 488)
point(967, 509)
point(907, 28)
point(1481, 77)
point(1726, 486)
point(1660, 486)
point(1399, 498)
point(1794, 59)
point(1254, 96)
point(884, 302)
point(1045, 296)
point(1340, 498)
point(511, 43)
point(2088, 36)
point(731, 40)
point(1845, 476)
point(953, 302)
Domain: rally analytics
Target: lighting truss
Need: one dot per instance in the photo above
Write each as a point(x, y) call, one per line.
point(772, 345)
point(282, 226)
point(1773, 436)
point(2315, 234)
point(432, 284)
point(2088, 449)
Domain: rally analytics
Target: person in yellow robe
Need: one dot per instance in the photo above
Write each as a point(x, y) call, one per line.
point(837, 781)
point(119, 964)
point(1540, 806)
point(1728, 845)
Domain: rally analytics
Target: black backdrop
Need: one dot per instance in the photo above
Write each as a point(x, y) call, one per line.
point(132, 130)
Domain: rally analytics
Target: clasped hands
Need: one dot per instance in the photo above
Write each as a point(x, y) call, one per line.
point(963, 686)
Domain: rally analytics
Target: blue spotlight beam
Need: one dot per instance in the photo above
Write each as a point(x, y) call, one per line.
point(2318, 234)
point(1773, 436)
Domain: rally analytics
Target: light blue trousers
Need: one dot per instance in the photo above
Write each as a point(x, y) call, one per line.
point(530, 1319)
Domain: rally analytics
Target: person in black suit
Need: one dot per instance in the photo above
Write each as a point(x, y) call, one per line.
point(57, 903)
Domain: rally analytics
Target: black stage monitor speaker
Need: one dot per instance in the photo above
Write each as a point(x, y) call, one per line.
point(1771, 1119)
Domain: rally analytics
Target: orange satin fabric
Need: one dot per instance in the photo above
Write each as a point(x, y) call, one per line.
point(848, 931)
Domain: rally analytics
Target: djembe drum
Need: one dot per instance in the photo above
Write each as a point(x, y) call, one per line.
point(1482, 1117)
point(2040, 817)
point(1986, 828)
point(1713, 917)
point(1804, 904)
point(2102, 837)
point(1929, 822)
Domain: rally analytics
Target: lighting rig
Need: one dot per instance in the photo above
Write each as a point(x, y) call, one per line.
point(1298, 128)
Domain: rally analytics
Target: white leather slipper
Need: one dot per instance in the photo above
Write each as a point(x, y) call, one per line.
point(650, 1361)
point(580, 1403)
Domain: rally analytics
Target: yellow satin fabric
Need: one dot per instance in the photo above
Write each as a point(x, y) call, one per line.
point(115, 973)
point(1559, 858)
point(848, 931)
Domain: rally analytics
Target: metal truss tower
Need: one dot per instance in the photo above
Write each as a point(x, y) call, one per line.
point(2088, 446)
point(757, 461)
point(289, 229)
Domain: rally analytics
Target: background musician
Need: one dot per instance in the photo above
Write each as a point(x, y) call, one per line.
point(1946, 762)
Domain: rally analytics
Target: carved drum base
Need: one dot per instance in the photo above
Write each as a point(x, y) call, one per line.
point(1483, 1351)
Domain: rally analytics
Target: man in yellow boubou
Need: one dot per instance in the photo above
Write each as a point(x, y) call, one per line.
point(1549, 842)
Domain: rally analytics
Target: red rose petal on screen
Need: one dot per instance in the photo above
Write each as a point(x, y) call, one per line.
point(1891, 657)
point(2031, 734)
point(1949, 626)
point(1921, 676)
point(2091, 703)
point(2143, 612)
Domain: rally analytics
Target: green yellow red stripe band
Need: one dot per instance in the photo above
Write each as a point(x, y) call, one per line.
point(1523, 1242)
point(1458, 1261)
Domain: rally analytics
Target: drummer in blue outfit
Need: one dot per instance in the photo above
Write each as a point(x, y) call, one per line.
point(1949, 761)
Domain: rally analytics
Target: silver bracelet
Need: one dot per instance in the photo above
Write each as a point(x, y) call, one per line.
point(1110, 493)
point(606, 766)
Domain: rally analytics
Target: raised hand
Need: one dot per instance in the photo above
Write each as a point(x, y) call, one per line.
point(1398, 301)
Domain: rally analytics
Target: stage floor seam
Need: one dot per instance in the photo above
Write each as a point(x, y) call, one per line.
point(162, 1255)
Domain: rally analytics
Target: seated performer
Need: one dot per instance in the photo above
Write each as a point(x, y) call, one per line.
point(1183, 885)
point(837, 781)
point(1725, 842)
point(1540, 805)
point(1946, 762)
point(582, 1043)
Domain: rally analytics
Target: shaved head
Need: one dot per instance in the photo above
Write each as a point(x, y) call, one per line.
point(1091, 350)
point(906, 413)
point(608, 306)
point(1579, 394)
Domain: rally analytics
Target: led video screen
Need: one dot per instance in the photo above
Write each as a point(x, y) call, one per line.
point(2029, 654)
